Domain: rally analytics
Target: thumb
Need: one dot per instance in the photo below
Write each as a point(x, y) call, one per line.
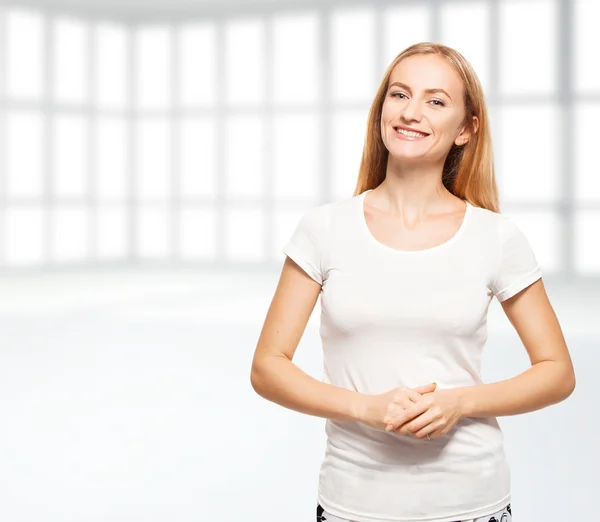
point(427, 388)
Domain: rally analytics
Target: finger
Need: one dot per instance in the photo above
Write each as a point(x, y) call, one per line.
point(419, 423)
point(414, 394)
point(418, 392)
point(408, 414)
point(432, 430)
point(427, 387)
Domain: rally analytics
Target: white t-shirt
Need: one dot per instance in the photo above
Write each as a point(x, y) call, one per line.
point(394, 318)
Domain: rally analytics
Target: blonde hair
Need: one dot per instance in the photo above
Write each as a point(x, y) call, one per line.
point(468, 171)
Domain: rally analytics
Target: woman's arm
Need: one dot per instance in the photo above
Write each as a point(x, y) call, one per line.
point(550, 380)
point(273, 375)
point(279, 380)
point(545, 383)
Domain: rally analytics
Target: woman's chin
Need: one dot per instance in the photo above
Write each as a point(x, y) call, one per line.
point(407, 156)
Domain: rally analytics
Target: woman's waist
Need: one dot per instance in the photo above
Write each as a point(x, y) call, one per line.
point(471, 439)
point(363, 379)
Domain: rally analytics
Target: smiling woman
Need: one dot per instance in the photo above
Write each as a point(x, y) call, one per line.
point(406, 269)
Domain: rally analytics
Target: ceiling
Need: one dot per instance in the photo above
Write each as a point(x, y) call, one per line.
point(165, 9)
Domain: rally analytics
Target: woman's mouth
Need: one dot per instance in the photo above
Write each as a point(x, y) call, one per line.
point(409, 136)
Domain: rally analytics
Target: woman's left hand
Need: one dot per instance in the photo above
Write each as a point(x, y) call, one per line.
point(434, 415)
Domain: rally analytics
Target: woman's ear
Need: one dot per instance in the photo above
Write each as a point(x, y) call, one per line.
point(467, 131)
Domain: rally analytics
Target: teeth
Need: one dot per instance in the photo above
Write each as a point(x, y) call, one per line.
point(410, 133)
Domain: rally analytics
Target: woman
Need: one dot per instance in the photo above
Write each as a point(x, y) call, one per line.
point(406, 269)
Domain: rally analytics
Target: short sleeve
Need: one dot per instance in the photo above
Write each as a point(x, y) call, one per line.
point(517, 264)
point(309, 244)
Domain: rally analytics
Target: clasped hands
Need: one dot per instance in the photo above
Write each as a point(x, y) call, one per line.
point(416, 412)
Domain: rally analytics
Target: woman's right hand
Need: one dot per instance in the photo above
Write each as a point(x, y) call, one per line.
point(379, 409)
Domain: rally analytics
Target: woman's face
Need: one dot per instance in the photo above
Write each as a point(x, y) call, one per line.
point(438, 114)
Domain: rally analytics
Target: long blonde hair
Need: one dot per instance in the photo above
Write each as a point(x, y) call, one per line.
point(468, 171)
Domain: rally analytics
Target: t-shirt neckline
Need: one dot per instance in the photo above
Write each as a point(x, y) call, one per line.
point(398, 252)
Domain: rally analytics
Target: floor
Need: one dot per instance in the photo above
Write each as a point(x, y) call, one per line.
point(126, 396)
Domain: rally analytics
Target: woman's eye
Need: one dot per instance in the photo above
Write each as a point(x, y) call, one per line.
point(441, 103)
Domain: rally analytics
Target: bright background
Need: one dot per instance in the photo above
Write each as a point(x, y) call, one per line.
point(155, 157)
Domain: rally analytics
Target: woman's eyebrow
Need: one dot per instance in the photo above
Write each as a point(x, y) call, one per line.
point(429, 91)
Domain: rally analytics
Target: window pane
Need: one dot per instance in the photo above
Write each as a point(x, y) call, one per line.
point(527, 65)
point(197, 153)
point(245, 234)
point(295, 66)
point(544, 231)
point(71, 59)
point(70, 233)
point(198, 233)
point(353, 53)
point(243, 156)
point(587, 173)
point(152, 159)
point(24, 153)
point(349, 131)
point(587, 246)
point(415, 23)
point(111, 231)
point(197, 69)
point(111, 157)
point(528, 163)
point(586, 42)
point(153, 231)
point(244, 61)
point(296, 172)
point(25, 37)
point(153, 85)
point(111, 63)
point(465, 27)
point(70, 155)
point(23, 236)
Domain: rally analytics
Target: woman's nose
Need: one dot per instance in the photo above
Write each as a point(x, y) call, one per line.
point(412, 110)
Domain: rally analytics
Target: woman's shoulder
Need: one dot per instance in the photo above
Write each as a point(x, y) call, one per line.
point(486, 215)
point(496, 226)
